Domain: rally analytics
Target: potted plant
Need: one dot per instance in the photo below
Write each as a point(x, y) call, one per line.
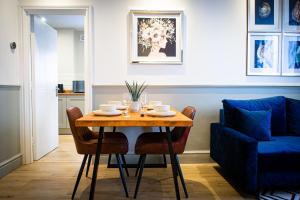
point(135, 90)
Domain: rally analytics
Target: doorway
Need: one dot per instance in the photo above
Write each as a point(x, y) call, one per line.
point(57, 54)
point(49, 30)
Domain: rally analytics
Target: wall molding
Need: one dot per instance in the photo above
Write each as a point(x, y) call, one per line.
point(8, 86)
point(208, 85)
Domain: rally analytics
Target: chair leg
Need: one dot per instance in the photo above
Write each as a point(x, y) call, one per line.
point(124, 164)
point(79, 175)
point(181, 176)
point(160, 129)
point(141, 168)
point(122, 174)
point(138, 166)
point(109, 159)
point(165, 161)
point(88, 165)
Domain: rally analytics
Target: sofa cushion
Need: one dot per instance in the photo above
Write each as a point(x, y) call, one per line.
point(256, 124)
point(293, 116)
point(281, 153)
point(277, 104)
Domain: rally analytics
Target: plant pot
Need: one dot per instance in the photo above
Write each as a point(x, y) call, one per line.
point(135, 106)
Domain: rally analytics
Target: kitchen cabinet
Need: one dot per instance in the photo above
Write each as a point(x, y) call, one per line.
point(64, 102)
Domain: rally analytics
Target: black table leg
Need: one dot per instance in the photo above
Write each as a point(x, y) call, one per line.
point(172, 157)
point(96, 164)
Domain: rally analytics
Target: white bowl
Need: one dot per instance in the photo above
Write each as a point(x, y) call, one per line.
point(155, 103)
point(117, 103)
point(162, 108)
point(107, 107)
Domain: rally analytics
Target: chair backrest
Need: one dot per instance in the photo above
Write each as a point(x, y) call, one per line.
point(180, 134)
point(80, 134)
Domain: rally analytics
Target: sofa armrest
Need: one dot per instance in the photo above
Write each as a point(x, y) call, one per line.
point(236, 153)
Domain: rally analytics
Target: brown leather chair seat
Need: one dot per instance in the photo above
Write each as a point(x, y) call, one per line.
point(112, 143)
point(156, 143)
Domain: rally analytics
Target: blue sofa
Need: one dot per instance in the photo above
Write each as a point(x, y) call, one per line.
point(255, 164)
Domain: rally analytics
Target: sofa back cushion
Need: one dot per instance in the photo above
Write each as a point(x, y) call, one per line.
point(255, 124)
point(293, 116)
point(277, 104)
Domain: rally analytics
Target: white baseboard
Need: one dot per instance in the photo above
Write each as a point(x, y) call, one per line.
point(11, 159)
point(10, 164)
point(197, 152)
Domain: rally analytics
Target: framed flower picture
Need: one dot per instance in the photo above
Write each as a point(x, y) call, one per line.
point(264, 15)
point(291, 15)
point(291, 55)
point(264, 54)
point(156, 37)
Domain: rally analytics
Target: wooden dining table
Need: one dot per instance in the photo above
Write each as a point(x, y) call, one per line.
point(134, 120)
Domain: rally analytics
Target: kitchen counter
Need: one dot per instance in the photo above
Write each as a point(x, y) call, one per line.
point(70, 94)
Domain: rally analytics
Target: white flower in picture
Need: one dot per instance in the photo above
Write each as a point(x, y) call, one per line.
point(154, 34)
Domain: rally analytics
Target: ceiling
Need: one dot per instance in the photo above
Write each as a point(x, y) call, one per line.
point(65, 21)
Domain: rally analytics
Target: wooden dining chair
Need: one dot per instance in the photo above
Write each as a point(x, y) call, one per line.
point(86, 144)
point(156, 143)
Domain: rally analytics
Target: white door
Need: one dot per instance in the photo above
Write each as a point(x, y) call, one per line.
point(44, 81)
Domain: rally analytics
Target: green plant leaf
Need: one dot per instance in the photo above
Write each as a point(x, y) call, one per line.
point(135, 89)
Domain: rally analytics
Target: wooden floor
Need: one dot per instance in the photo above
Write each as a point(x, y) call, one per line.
point(53, 177)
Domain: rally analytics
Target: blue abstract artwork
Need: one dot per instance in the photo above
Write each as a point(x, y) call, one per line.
point(264, 53)
point(264, 12)
point(294, 54)
point(294, 12)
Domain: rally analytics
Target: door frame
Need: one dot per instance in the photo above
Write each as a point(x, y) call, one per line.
point(25, 63)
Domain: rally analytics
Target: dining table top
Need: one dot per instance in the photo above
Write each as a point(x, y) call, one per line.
point(133, 119)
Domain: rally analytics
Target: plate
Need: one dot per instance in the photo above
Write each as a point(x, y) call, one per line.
point(104, 113)
point(161, 114)
point(121, 107)
point(149, 107)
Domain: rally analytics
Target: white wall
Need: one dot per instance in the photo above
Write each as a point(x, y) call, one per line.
point(10, 149)
point(9, 71)
point(78, 56)
point(214, 45)
point(70, 57)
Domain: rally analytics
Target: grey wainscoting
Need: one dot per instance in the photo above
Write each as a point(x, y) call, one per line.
point(206, 99)
point(10, 152)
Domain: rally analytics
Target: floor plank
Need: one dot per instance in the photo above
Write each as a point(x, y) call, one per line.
point(53, 177)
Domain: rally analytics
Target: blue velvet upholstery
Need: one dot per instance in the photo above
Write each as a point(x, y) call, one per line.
point(237, 154)
point(293, 116)
point(222, 117)
point(256, 124)
point(282, 153)
point(256, 165)
point(277, 104)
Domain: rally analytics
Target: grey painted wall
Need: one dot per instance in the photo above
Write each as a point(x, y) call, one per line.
point(207, 101)
point(9, 123)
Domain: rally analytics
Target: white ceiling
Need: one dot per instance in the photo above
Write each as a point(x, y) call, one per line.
point(65, 21)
